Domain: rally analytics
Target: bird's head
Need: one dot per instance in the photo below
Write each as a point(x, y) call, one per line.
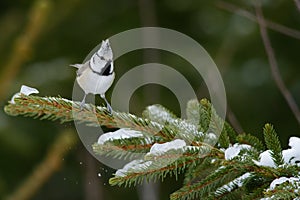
point(105, 50)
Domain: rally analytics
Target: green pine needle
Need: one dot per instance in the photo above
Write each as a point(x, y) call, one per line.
point(202, 162)
point(273, 144)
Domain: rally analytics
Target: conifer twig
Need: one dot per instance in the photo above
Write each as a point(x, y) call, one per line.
point(231, 169)
point(63, 110)
point(46, 168)
point(273, 63)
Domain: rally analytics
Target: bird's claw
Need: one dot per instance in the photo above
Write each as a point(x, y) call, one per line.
point(109, 108)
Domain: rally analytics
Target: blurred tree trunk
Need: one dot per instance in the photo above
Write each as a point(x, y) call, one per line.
point(92, 183)
point(149, 191)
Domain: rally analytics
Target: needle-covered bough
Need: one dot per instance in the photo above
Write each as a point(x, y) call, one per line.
point(215, 163)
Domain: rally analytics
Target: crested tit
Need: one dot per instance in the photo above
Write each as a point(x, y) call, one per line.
point(97, 74)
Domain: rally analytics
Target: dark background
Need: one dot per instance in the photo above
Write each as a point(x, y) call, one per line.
point(70, 29)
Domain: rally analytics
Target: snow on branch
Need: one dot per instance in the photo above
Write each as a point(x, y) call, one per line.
point(215, 166)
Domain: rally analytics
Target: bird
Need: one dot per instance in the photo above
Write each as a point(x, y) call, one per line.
point(97, 74)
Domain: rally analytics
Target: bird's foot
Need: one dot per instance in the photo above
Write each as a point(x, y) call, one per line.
point(82, 102)
point(81, 106)
point(109, 108)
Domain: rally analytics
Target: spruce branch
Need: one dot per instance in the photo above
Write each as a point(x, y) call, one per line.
point(209, 184)
point(159, 166)
point(230, 132)
point(152, 172)
point(283, 193)
point(163, 145)
point(63, 110)
point(124, 148)
point(180, 128)
point(273, 144)
point(159, 114)
point(207, 165)
point(250, 140)
point(193, 112)
point(205, 115)
point(211, 122)
point(256, 194)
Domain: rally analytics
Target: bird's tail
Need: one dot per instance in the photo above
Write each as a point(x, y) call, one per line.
point(76, 65)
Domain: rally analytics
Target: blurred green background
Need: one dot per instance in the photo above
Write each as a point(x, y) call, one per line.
point(39, 39)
